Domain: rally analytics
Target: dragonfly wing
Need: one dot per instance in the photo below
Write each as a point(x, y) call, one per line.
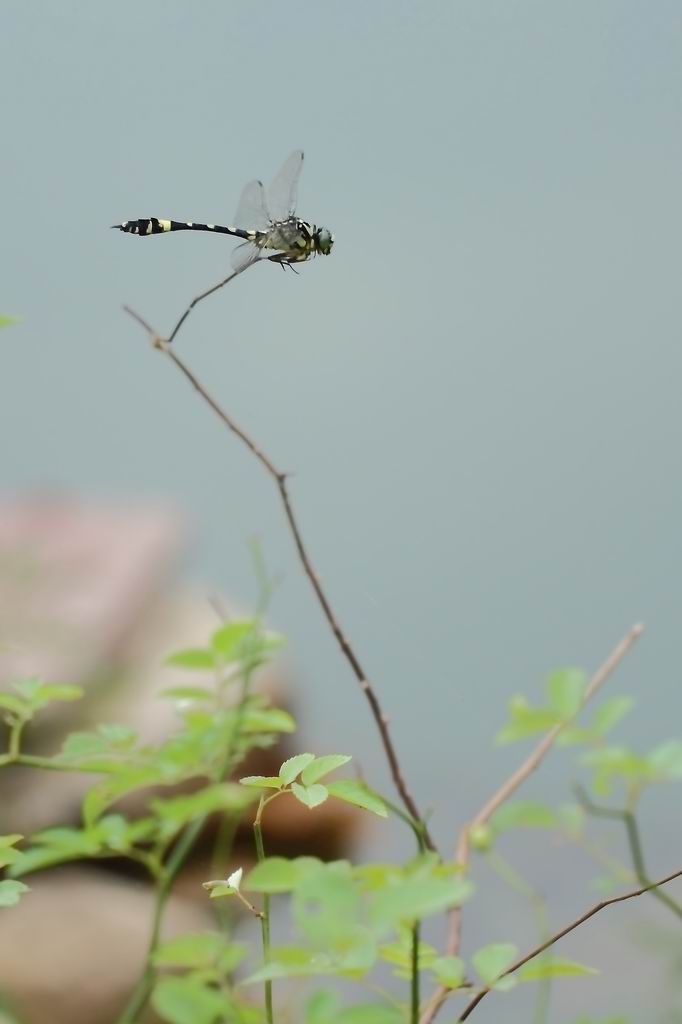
point(283, 192)
point(252, 211)
point(244, 255)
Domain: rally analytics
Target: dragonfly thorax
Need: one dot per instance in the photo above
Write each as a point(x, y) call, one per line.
point(297, 239)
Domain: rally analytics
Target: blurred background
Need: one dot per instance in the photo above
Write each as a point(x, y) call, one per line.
point(477, 393)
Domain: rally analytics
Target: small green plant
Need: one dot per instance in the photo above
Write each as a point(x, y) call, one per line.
point(348, 925)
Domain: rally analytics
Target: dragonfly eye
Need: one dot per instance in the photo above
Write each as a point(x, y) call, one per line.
point(324, 241)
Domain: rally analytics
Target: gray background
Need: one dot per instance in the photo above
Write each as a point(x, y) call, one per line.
point(478, 391)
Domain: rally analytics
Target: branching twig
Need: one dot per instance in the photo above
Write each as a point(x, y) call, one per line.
point(509, 787)
point(564, 931)
point(635, 843)
point(280, 478)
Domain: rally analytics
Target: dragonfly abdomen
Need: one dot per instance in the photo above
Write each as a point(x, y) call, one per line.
point(156, 226)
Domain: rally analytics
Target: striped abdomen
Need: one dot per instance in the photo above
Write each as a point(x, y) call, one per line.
point(155, 226)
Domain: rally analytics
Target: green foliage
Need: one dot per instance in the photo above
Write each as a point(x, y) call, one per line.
point(491, 961)
point(310, 796)
point(192, 999)
point(523, 814)
point(311, 793)
point(622, 764)
point(358, 794)
point(174, 813)
point(346, 920)
point(7, 321)
point(341, 913)
point(11, 892)
point(551, 967)
point(113, 835)
point(324, 1007)
point(207, 951)
point(321, 766)
point(239, 647)
point(292, 768)
point(8, 855)
point(33, 695)
point(448, 970)
point(398, 953)
point(565, 690)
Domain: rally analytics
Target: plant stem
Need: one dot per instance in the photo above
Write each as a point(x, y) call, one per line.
point(634, 842)
point(169, 873)
point(181, 851)
point(414, 976)
point(265, 918)
point(539, 906)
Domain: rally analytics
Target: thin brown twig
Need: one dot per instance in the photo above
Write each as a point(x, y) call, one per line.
point(280, 479)
point(204, 295)
point(509, 787)
point(471, 1006)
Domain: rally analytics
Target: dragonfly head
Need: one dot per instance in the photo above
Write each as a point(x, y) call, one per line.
point(324, 240)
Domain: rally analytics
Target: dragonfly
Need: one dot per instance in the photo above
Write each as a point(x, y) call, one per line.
point(266, 221)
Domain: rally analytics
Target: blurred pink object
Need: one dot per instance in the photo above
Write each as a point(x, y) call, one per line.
point(75, 577)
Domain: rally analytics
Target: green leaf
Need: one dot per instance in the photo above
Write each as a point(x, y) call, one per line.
point(7, 321)
point(293, 962)
point(526, 721)
point(46, 694)
point(294, 766)
point(665, 761)
point(110, 738)
point(414, 898)
point(229, 640)
point(359, 794)
point(28, 688)
point(8, 856)
point(610, 713)
point(262, 781)
point(187, 1000)
point(322, 1008)
point(246, 643)
point(219, 891)
point(199, 950)
point(14, 704)
point(10, 840)
point(370, 1013)
point(492, 960)
point(610, 762)
point(523, 814)
point(56, 846)
point(552, 967)
point(310, 796)
point(268, 720)
point(274, 874)
point(109, 790)
point(11, 892)
point(322, 766)
point(400, 953)
point(566, 690)
point(326, 908)
point(193, 657)
point(223, 797)
point(449, 970)
point(572, 735)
